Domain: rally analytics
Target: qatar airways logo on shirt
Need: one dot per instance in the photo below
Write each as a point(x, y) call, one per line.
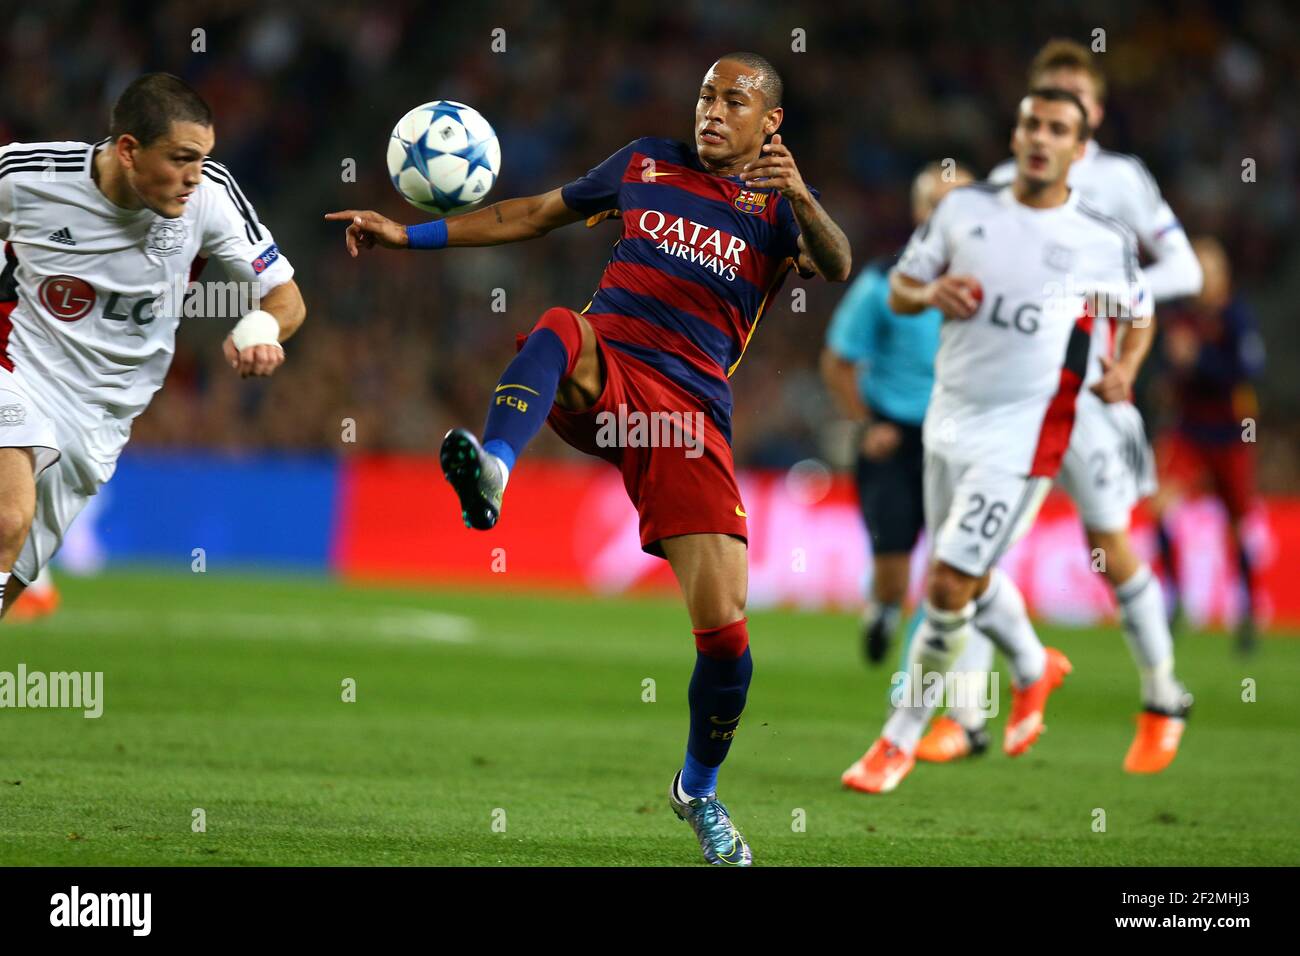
point(711, 248)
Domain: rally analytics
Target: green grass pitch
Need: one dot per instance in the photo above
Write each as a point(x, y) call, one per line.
point(225, 694)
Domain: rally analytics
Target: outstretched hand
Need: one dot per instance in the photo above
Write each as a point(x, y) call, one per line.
point(366, 229)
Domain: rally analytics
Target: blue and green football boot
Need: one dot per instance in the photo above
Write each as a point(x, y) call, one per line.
point(719, 839)
point(475, 475)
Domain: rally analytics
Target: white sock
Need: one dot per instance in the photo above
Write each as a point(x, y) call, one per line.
point(1142, 610)
point(682, 795)
point(4, 585)
point(938, 642)
point(1000, 613)
point(972, 668)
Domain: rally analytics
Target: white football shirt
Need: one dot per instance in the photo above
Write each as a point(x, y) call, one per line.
point(100, 289)
point(1119, 185)
point(1006, 380)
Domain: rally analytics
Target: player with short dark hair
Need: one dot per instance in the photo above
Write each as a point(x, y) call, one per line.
point(709, 233)
point(1108, 467)
point(149, 106)
point(1021, 273)
point(97, 237)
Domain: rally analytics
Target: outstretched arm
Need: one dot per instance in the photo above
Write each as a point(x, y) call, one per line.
point(512, 220)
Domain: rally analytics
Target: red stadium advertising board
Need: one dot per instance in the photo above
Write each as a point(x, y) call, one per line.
point(571, 526)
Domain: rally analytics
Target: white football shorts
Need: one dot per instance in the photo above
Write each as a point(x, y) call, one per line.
point(975, 512)
point(62, 487)
point(1109, 466)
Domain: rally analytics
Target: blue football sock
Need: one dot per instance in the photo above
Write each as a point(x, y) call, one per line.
point(697, 779)
point(524, 396)
point(717, 696)
point(502, 450)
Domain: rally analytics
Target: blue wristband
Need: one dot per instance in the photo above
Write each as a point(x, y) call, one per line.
point(427, 235)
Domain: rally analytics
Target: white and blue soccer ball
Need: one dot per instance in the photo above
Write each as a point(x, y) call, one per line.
point(443, 155)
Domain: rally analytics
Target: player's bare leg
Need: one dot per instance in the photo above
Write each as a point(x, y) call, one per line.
point(581, 389)
point(1245, 639)
point(1162, 502)
point(1165, 702)
point(17, 508)
point(890, 573)
point(713, 572)
point(558, 363)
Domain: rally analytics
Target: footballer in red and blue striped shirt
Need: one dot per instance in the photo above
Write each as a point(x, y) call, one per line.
point(640, 376)
point(699, 258)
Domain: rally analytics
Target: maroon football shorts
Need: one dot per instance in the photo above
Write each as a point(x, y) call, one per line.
point(677, 464)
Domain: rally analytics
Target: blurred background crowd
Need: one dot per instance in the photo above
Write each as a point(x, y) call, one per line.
point(407, 344)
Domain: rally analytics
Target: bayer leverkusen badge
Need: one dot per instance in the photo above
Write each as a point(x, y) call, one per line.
point(166, 237)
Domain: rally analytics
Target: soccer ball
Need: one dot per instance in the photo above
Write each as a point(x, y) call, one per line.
point(443, 155)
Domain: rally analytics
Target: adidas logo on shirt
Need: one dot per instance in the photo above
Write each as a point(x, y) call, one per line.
point(64, 236)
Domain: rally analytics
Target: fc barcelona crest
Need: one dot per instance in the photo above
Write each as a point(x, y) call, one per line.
point(751, 202)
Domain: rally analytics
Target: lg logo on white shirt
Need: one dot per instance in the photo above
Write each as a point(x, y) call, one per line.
point(71, 299)
point(67, 297)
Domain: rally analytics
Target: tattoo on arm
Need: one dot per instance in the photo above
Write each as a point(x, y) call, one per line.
point(498, 212)
point(827, 246)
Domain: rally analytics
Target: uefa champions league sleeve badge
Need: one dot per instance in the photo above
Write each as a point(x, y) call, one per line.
point(166, 237)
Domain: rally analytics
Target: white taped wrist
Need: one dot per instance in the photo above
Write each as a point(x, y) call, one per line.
point(256, 328)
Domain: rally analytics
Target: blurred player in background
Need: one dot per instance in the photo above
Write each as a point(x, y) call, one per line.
point(1213, 353)
point(710, 231)
point(1109, 467)
point(97, 240)
point(1017, 270)
point(879, 368)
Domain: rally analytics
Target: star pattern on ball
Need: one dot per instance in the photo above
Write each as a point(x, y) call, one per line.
point(420, 153)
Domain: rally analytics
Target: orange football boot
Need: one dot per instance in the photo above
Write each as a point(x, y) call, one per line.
point(880, 769)
point(1156, 743)
point(34, 603)
point(949, 740)
point(1026, 721)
